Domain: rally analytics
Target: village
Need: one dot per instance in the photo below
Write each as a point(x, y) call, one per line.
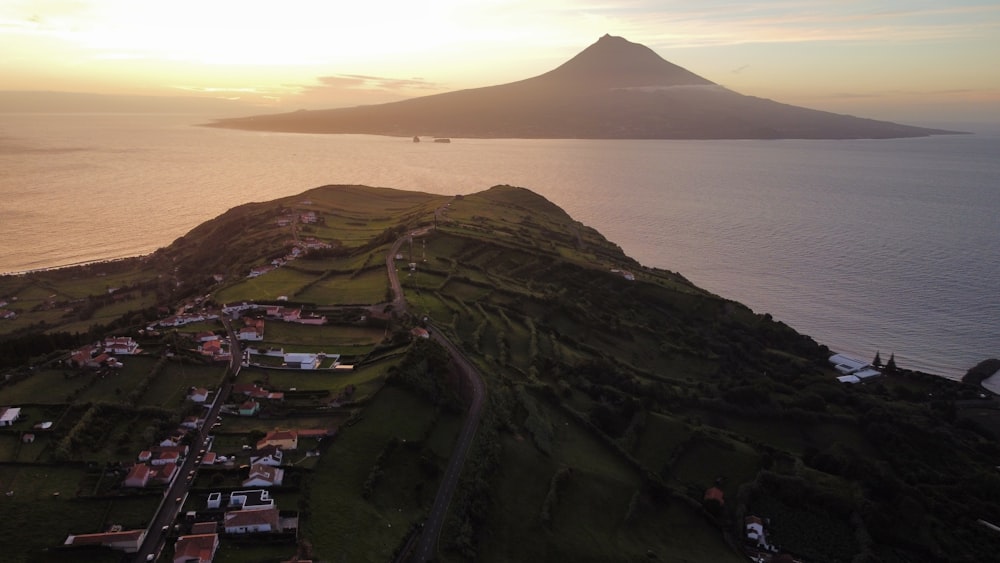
point(220, 480)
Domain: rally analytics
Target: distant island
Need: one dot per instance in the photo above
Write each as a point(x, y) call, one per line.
point(613, 89)
point(369, 374)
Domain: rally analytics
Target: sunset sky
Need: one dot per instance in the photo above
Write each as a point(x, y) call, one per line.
point(928, 61)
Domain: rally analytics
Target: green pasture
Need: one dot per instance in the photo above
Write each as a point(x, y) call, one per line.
point(705, 460)
point(245, 424)
point(281, 281)
point(661, 435)
point(113, 311)
point(367, 379)
point(115, 386)
point(430, 304)
point(231, 551)
point(345, 526)
point(43, 519)
point(35, 451)
point(589, 521)
point(370, 286)
point(332, 339)
point(465, 291)
point(169, 389)
point(45, 386)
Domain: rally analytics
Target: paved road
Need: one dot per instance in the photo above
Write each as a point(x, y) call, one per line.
point(426, 547)
point(177, 490)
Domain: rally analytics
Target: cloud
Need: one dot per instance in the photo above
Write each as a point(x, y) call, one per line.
point(339, 90)
point(367, 82)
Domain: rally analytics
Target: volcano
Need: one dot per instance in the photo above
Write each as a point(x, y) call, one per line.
point(613, 89)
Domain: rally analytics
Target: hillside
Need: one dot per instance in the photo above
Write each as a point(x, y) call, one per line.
point(613, 89)
point(629, 413)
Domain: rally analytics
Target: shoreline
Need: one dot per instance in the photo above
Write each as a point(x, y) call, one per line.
point(74, 265)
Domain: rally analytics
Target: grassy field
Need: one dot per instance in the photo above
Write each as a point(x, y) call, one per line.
point(170, 388)
point(116, 386)
point(47, 386)
point(589, 521)
point(282, 281)
point(375, 526)
point(368, 287)
point(657, 442)
point(44, 520)
point(366, 379)
point(706, 460)
point(320, 338)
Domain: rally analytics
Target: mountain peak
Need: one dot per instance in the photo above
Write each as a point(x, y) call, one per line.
point(617, 62)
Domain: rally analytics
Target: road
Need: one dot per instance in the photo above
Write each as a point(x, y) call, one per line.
point(177, 490)
point(426, 546)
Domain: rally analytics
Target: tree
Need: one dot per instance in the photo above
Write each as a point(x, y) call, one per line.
point(890, 366)
point(877, 362)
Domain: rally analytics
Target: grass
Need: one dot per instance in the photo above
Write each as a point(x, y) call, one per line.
point(657, 442)
point(338, 510)
point(368, 287)
point(705, 460)
point(170, 388)
point(282, 281)
point(589, 520)
point(366, 379)
point(44, 520)
point(46, 386)
point(319, 338)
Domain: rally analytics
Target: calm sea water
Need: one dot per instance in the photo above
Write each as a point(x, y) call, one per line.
point(865, 245)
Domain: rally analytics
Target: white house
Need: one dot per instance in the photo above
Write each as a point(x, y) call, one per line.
point(121, 345)
point(252, 499)
point(847, 365)
point(9, 415)
point(268, 455)
point(301, 360)
point(251, 521)
point(264, 476)
point(199, 395)
point(251, 333)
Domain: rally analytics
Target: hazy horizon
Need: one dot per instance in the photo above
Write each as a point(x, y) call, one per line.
point(887, 59)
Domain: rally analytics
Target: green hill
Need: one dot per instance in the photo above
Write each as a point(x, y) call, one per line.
point(618, 395)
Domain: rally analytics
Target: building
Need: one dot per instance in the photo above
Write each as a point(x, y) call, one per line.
point(252, 521)
point(268, 455)
point(848, 366)
point(252, 333)
point(252, 499)
point(284, 439)
point(199, 395)
point(249, 407)
point(262, 475)
point(128, 541)
point(121, 346)
point(138, 476)
point(198, 548)
point(302, 361)
point(9, 415)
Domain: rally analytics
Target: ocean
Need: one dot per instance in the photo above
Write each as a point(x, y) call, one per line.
point(867, 246)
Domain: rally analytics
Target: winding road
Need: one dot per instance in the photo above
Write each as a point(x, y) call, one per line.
point(426, 547)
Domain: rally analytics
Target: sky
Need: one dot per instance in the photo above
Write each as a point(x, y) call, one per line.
point(913, 60)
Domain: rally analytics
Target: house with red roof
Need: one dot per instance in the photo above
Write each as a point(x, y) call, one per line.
point(199, 548)
point(138, 476)
point(262, 475)
point(121, 345)
point(249, 408)
point(284, 439)
point(128, 541)
point(251, 521)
